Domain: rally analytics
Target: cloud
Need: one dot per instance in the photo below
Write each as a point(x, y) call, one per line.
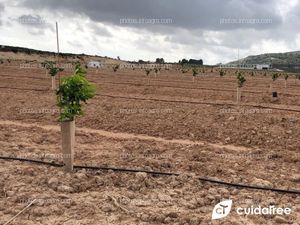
point(100, 30)
point(35, 23)
point(1, 12)
point(192, 14)
point(173, 29)
point(75, 44)
point(1, 8)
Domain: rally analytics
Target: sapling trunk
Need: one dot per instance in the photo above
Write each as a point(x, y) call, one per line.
point(271, 87)
point(53, 82)
point(238, 95)
point(285, 84)
point(68, 141)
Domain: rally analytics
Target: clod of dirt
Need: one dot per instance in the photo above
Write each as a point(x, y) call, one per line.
point(280, 220)
point(262, 182)
point(295, 178)
point(232, 118)
point(81, 176)
point(65, 188)
point(10, 193)
point(228, 139)
point(99, 181)
point(107, 208)
point(41, 211)
point(53, 182)
point(141, 176)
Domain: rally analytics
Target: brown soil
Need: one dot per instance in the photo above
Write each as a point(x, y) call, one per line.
point(169, 124)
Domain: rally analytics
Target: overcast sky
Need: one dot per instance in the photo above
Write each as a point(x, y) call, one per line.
point(212, 30)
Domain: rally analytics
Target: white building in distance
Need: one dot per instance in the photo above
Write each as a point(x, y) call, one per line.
point(246, 66)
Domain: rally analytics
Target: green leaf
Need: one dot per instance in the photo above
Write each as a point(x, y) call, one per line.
point(72, 92)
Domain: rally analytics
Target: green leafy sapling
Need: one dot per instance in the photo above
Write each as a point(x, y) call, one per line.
point(274, 78)
point(286, 77)
point(184, 70)
point(240, 83)
point(240, 80)
point(52, 69)
point(222, 73)
point(148, 71)
point(195, 73)
point(116, 67)
point(72, 93)
point(156, 71)
point(297, 76)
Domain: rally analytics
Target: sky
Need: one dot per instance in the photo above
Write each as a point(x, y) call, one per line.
point(212, 30)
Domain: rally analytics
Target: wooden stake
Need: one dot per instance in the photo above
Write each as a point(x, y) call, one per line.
point(57, 45)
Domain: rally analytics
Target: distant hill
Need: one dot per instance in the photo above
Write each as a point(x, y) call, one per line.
point(289, 61)
point(28, 54)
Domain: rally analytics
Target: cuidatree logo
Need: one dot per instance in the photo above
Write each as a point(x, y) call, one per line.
point(222, 209)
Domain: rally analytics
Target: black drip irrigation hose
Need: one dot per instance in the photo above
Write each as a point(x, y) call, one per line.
point(165, 100)
point(237, 185)
point(196, 103)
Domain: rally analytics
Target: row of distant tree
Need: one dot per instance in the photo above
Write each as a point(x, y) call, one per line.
point(65, 55)
point(182, 62)
point(191, 61)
